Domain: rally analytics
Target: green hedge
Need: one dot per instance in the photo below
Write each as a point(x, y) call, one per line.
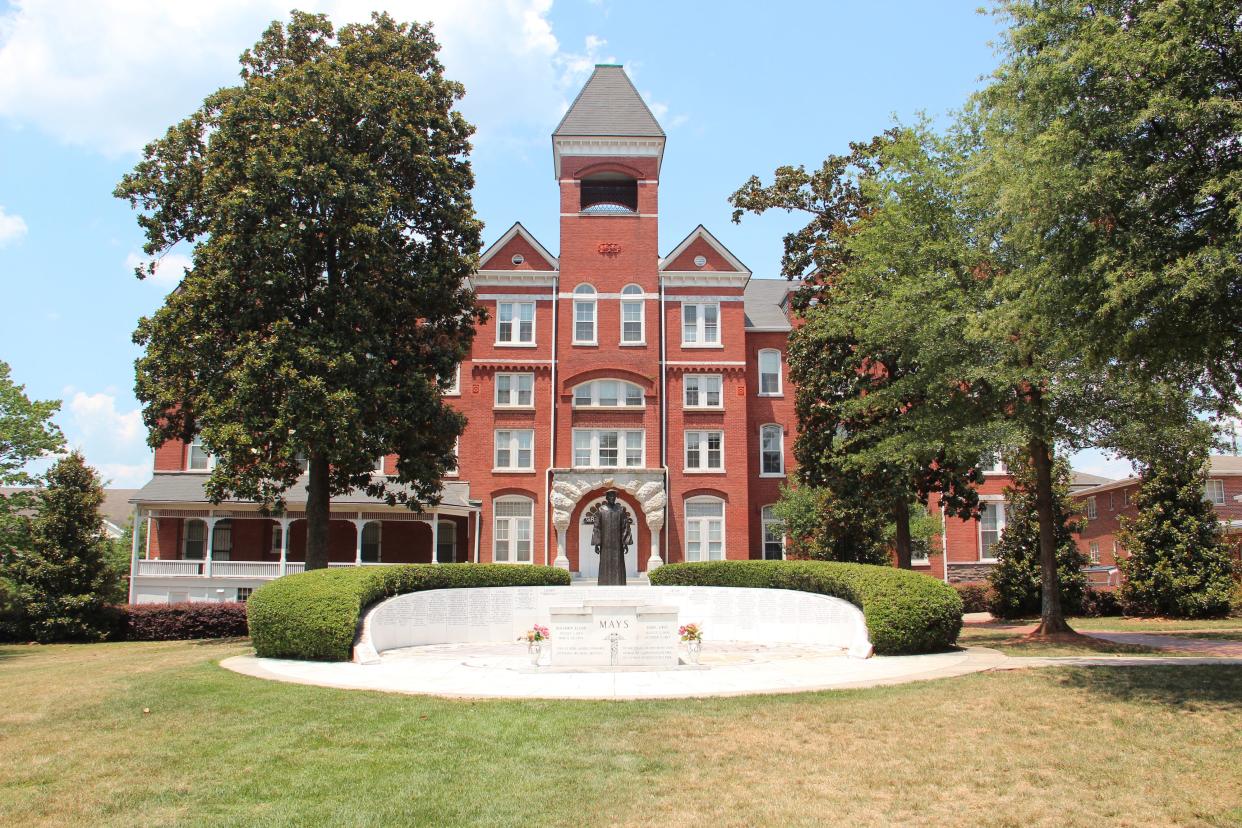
point(906, 612)
point(314, 615)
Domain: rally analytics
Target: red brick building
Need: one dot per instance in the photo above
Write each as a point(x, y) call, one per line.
point(609, 365)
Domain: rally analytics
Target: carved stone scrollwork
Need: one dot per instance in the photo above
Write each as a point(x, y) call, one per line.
point(647, 487)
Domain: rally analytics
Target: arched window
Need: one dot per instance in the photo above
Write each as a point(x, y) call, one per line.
point(446, 542)
point(769, 372)
point(772, 451)
point(773, 534)
point(705, 529)
point(584, 315)
point(371, 542)
point(513, 529)
point(608, 394)
point(609, 192)
point(633, 317)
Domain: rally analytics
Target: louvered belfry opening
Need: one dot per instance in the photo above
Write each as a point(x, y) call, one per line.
point(609, 193)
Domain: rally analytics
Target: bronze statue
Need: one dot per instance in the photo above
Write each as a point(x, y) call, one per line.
point(611, 535)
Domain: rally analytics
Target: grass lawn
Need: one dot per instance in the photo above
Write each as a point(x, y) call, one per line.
point(1013, 643)
point(1123, 624)
point(1050, 747)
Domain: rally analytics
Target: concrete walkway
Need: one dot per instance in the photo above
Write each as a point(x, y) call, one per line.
point(1181, 643)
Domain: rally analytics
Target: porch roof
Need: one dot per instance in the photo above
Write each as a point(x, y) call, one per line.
point(187, 487)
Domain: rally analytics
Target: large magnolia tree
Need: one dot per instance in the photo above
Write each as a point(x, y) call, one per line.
point(327, 200)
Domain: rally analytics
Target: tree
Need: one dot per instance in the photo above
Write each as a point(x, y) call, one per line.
point(1115, 152)
point(26, 434)
point(825, 526)
point(1016, 579)
point(62, 581)
point(1175, 563)
point(328, 201)
point(834, 368)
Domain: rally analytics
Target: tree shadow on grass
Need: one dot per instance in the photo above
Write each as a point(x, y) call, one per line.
point(1187, 688)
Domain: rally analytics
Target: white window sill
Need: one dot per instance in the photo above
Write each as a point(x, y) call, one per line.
point(702, 471)
point(702, 408)
point(608, 468)
point(772, 474)
point(194, 471)
point(513, 471)
point(632, 344)
point(703, 345)
point(499, 407)
point(517, 345)
point(771, 396)
point(585, 344)
point(609, 407)
point(988, 560)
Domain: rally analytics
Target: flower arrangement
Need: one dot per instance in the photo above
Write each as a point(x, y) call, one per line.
point(690, 632)
point(535, 635)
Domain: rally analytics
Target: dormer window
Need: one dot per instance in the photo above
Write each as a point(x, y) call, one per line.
point(607, 193)
point(197, 457)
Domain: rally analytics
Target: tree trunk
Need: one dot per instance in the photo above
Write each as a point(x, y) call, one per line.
point(317, 513)
point(901, 517)
point(1051, 618)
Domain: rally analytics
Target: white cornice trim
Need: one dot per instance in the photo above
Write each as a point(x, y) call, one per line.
point(563, 145)
point(702, 232)
point(528, 278)
point(516, 230)
point(769, 328)
point(700, 278)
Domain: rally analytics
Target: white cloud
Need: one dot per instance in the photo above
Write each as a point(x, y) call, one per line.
point(168, 271)
point(111, 75)
point(1093, 461)
point(112, 439)
point(12, 227)
point(124, 475)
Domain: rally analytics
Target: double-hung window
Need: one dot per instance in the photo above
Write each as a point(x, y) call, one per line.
point(195, 545)
point(1214, 491)
point(772, 451)
point(1094, 552)
point(702, 390)
point(515, 323)
point(769, 373)
point(773, 534)
point(198, 458)
point(515, 449)
point(633, 318)
point(704, 529)
point(584, 315)
point(700, 324)
point(515, 390)
point(512, 530)
point(1092, 511)
point(608, 448)
point(454, 387)
point(991, 527)
point(704, 451)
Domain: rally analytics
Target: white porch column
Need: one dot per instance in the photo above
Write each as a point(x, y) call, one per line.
point(435, 536)
point(285, 523)
point(562, 554)
point(478, 527)
point(358, 526)
point(133, 552)
point(211, 544)
point(655, 522)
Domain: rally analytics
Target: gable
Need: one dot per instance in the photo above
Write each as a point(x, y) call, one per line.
point(517, 241)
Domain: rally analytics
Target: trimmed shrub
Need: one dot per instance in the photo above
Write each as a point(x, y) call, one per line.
point(1100, 603)
point(974, 596)
point(179, 622)
point(906, 612)
point(314, 615)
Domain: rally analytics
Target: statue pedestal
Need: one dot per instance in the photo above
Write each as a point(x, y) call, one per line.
point(613, 633)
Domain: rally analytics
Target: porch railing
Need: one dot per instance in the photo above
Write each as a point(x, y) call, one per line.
point(222, 569)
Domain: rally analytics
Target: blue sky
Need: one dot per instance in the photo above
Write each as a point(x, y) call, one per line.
point(739, 87)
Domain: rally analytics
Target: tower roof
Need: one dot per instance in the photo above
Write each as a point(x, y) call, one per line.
point(609, 106)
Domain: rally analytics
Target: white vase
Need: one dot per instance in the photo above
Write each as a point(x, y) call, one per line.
point(693, 649)
point(535, 649)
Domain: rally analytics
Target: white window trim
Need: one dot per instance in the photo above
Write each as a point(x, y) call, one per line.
point(454, 390)
point(780, 368)
point(1093, 552)
point(997, 467)
point(512, 391)
point(781, 448)
point(189, 452)
point(1001, 522)
point(594, 406)
point(701, 326)
point(702, 394)
point(1212, 484)
point(1092, 510)
point(633, 299)
point(594, 303)
point(764, 523)
point(620, 432)
point(513, 450)
point(513, 535)
point(703, 453)
point(534, 325)
point(724, 536)
point(456, 470)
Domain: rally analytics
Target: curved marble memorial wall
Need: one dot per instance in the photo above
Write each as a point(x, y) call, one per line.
point(496, 614)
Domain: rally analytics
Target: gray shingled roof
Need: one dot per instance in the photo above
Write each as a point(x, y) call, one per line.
point(180, 487)
point(764, 300)
point(609, 105)
point(1083, 480)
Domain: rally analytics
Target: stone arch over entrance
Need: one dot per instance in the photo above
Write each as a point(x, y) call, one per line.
point(643, 490)
point(582, 557)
